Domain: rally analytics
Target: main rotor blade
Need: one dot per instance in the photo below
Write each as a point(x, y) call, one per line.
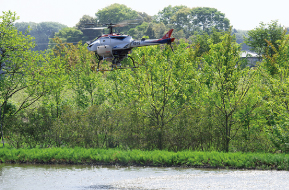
point(97, 28)
point(127, 22)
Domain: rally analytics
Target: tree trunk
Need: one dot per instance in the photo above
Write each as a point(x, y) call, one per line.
point(227, 137)
point(2, 120)
point(1, 127)
point(160, 137)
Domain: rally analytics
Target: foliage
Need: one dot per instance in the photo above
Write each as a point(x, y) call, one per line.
point(41, 32)
point(145, 158)
point(165, 15)
point(204, 40)
point(15, 59)
point(240, 37)
point(87, 33)
point(276, 88)
point(161, 97)
point(116, 13)
point(23, 71)
point(207, 18)
point(200, 97)
point(184, 20)
point(192, 20)
point(70, 35)
point(259, 37)
point(228, 85)
point(145, 17)
point(167, 103)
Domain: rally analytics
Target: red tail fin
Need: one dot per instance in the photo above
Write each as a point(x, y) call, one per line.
point(168, 34)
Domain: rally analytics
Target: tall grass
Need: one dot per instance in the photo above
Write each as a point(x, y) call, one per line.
point(145, 158)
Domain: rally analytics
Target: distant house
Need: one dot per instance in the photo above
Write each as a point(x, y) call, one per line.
point(252, 58)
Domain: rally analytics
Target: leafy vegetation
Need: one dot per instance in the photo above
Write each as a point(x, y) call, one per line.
point(145, 158)
point(41, 32)
point(259, 37)
point(200, 97)
point(187, 22)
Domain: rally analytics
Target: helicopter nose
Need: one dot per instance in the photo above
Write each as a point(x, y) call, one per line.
point(89, 48)
point(93, 46)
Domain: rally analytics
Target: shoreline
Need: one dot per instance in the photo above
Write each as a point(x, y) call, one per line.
point(138, 158)
point(135, 165)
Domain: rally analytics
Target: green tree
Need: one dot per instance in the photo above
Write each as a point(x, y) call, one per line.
point(207, 18)
point(57, 84)
point(158, 90)
point(41, 32)
point(182, 20)
point(88, 33)
point(259, 37)
point(159, 30)
point(145, 17)
point(228, 86)
point(204, 40)
point(86, 84)
point(240, 37)
point(138, 31)
point(276, 90)
point(192, 20)
point(116, 13)
point(64, 60)
point(22, 71)
point(150, 32)
point(167, 13)
point(70, 35)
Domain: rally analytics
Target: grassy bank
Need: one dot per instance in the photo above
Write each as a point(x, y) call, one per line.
point(145, 158)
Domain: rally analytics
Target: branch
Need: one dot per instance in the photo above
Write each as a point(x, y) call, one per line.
point(26, 100)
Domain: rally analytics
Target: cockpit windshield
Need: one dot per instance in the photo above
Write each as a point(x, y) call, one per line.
point(118, 37)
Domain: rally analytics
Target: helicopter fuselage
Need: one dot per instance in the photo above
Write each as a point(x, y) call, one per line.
point(116, 47)
point(111, 45)
point(116, 41)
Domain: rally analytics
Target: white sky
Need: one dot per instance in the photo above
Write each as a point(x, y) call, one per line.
point(243, 14)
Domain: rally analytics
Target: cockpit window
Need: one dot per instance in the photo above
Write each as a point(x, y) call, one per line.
point(118, 37)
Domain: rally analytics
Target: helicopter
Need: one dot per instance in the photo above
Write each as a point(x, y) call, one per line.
point(115, 47)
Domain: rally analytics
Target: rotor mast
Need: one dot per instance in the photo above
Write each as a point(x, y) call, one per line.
point(110, 26)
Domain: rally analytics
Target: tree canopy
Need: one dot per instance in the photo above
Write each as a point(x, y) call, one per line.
point(185, 21)
point(71, 35)
point(22, 71)
point(167, 13)
point(192, 20)
point(199, 97)
point(40, 31)
point(259, 38)
point(116, 13)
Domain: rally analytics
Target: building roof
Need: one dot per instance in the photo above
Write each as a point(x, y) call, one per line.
point(249, 54)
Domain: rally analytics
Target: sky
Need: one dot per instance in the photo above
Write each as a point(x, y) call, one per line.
point(243, 14)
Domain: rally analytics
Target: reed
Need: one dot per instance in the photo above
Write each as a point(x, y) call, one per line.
point(145, 158)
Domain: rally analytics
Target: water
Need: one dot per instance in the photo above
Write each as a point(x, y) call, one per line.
point(64, 177)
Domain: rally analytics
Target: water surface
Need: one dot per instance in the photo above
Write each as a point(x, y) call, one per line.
point(64, 177)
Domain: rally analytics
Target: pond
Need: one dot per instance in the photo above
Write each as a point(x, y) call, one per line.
point(79, 177)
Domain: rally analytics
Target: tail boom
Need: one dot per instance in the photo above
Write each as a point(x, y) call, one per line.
point(166, 39)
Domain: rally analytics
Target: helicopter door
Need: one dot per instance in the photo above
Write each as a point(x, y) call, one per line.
point(105, 49)
point(105, 41)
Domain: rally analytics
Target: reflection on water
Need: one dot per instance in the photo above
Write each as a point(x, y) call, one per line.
point(1, 170)
point(96, 177)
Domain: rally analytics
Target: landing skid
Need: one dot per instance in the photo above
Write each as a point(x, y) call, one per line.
point(115, 68)
point(116, 64)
